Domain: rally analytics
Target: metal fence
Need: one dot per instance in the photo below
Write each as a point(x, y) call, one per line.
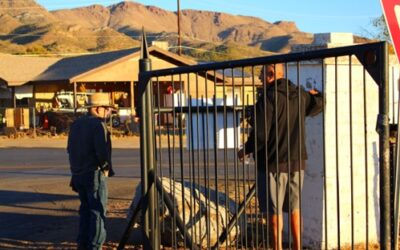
point(196, 193)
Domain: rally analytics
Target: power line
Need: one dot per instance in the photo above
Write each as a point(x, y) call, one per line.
point(157, 38)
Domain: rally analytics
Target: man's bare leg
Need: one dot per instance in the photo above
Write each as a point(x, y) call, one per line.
point(277, 221)
point(296, 230)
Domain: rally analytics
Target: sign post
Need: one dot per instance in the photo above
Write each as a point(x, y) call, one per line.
point(391, 10)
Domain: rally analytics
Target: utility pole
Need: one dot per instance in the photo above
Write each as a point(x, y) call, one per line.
point(179, 28)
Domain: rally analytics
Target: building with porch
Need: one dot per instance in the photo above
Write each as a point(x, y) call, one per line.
point(28, 81)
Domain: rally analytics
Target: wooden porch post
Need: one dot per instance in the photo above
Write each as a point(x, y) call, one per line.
point(34, 109)
point(112, 93)
point(75, 99)
point(14, 98)
point(132, 101)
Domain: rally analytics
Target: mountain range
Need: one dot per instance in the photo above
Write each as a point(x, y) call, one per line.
point(28, 27)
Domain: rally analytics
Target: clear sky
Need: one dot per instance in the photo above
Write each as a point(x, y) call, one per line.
point(314, 16)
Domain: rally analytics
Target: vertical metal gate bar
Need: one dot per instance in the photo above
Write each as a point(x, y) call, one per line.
point(180, 124)
point(168, 128)
point(235, 160)
point(323, 89)
point(191, 169)
point(337, 152)
point(249, 218)
point(275, 117)
point(351, 149)
point(288, 146)
point(200, 240)
point(143, 127)
point(173, 191)
point(255, 152)
point(224, 126)
point(300, 148)
point(153, 220)
point(159, 158)
point(216, 162)
point(189, 146)
point(264, 88)
point(168, 151)
point(242, 134)
point(261, 219)
point(216, 153)
point(384, 173)
point(192, 135)
point(275, 124)
point(205, 146)
point(250, 238)
point(366, 160)
point(147, 145)
point(207, 166)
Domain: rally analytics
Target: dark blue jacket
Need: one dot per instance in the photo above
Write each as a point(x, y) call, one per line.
point(89, 145)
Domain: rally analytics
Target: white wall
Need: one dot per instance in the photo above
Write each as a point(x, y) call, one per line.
point(203, 134)
point(364, 164)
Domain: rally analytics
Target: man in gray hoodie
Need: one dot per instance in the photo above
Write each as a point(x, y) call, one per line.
point(278, 140)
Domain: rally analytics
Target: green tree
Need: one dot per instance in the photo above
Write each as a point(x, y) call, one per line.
point(382, 30)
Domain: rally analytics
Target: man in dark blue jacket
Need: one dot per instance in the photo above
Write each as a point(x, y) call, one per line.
point(89, 149)
point(278, 140)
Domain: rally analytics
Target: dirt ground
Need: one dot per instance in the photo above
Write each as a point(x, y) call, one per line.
point(38, 210)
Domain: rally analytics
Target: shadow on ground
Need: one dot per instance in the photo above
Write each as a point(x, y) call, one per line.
point(31, 220)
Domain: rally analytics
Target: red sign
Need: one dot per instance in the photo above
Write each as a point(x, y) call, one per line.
point(391, 9)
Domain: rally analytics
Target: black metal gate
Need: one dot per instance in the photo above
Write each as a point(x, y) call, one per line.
point(197, 193)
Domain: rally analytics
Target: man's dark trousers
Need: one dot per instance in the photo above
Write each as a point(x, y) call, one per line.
point(92, 189)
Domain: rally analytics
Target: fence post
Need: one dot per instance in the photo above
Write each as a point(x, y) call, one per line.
point(383, 129)
point(34, 121)
point(147, 147)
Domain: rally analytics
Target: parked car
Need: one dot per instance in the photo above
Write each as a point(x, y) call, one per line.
point(64, 101)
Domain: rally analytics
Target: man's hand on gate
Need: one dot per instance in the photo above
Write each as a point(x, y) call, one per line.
point(313, 92)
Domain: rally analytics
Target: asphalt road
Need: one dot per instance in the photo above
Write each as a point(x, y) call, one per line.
point(37, 207)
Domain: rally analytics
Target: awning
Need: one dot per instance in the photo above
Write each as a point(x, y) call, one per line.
point(24, 91)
